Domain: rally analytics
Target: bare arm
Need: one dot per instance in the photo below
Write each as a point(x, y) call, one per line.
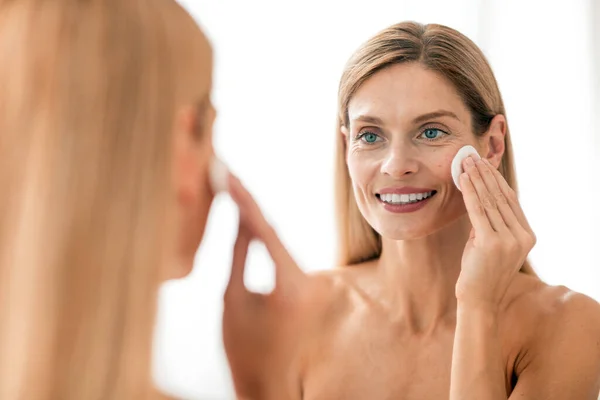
point(564, 360)
point(477, 367)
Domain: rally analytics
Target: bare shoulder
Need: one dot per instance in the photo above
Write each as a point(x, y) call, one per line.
point(552, 323)
point(551, 305)
point(334, 289)
point(335, 296)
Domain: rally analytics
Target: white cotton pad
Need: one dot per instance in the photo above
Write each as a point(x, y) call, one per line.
point(456, 167)
point(219, 175)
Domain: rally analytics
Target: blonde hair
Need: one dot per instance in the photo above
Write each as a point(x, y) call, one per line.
point(437, 48)
point(88, 95)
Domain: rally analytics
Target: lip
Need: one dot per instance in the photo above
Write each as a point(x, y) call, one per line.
point(404, 190)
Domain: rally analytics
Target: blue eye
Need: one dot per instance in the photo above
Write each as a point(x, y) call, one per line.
point(369, 137)
point(432, 133)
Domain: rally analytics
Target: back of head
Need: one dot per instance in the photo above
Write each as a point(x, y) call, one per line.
point(438, 48)
point(88, 92)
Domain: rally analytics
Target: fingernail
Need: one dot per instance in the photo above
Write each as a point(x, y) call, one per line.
point(469, 161)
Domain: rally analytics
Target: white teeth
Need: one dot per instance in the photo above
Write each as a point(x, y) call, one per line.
point(404, 198)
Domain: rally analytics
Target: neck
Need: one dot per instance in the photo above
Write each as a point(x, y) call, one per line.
point(418, 277)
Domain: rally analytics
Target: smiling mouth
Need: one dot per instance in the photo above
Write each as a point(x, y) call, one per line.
point(402, 199)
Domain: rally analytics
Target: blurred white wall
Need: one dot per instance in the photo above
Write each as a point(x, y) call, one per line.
point(277, 67)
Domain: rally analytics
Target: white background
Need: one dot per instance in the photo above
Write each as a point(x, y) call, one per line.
point(277, 67)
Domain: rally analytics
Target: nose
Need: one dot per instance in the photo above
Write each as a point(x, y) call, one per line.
point(400, 161)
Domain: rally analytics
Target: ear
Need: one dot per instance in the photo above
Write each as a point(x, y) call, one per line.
point(186, 159)
point(492, 142)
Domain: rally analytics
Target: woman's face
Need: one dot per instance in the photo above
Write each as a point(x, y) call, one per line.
point(406, 124)
point(193, 155)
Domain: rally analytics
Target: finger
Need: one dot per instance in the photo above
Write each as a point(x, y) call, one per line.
point(236, 286)
point(513, 201)
point(494, 180)
point(475, 210)
point(493, 187)
point(484, 196)
point(286, 269)
point(249, 209)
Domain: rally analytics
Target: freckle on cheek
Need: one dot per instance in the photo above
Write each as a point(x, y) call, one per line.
point(446, 163)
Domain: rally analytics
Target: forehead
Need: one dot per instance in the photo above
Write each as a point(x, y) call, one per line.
point(204, 46)
point(406, 90)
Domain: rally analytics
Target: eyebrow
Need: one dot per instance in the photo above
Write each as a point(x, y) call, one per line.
point(435, 114)
point(369, 119)
point(420, 119)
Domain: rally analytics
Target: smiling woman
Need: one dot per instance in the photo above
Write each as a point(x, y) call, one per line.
point(438, 94)
point(433, 297)
point(422, 124)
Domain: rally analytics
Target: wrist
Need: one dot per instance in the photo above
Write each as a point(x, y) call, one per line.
point(477, 308)
point(479, 320)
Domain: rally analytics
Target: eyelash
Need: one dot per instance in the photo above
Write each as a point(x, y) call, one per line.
point(433, 128)
point(360, 135)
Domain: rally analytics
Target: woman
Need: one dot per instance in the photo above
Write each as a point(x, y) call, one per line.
point(105, 145)
point(435, 298)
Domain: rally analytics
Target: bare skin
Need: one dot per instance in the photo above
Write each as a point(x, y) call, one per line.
point(192, 154)
point(338, 340)
point(362, 350)
point(443, 312)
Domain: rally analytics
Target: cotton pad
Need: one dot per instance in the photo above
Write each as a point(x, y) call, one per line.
point(456, 167)
point(218, 175)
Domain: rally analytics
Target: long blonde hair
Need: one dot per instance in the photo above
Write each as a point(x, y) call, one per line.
point(88, 94)
point(437, 48)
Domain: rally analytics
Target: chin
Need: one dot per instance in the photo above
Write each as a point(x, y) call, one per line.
point(406, 233)
point(180, 270)
point(415, 229)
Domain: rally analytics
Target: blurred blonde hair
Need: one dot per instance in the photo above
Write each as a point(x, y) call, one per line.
point(440, 49)
point(88, 95)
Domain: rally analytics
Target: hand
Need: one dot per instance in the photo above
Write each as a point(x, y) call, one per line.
point(500, 240)
point(260, 332)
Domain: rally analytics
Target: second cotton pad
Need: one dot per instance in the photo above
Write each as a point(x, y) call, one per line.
point(218, 175)
point(456, 167)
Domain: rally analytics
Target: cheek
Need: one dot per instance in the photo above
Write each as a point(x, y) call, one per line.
point(440, 163)
point(205, 197)
point(443, 166)
point(354, 170)
point(363, 168)
point(198, 213)
point(194, 223)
